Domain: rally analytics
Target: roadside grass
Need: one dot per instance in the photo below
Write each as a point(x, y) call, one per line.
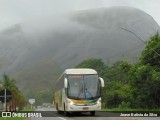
point(129, 110)
point(28, 110)
point(13, 118)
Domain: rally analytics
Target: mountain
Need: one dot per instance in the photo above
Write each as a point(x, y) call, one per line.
point(36, 52)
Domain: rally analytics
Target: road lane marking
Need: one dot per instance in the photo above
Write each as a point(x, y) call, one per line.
point(61, 118)
point(129, 119)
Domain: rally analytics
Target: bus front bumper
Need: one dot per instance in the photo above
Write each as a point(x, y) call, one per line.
point(95, 107)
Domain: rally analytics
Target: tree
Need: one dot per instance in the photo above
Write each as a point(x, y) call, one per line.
point(151, 53)
point(18, 100)
point(93, 63)
point(8, 83)
point(145, 76)
point(117, 87)
point(144, 80)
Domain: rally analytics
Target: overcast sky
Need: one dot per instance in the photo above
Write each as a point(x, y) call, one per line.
point(17, 11)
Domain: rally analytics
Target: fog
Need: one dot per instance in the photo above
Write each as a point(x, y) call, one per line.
point(87, 33)
point(19, 11)
point(41, 48)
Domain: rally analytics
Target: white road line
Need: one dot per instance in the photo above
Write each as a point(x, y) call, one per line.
point(61, 118)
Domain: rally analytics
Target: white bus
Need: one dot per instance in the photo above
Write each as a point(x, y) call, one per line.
point(78, 90)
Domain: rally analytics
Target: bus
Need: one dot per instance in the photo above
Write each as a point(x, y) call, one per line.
point(78, 90)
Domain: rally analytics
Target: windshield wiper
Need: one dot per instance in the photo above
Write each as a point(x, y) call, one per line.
point(81, 91)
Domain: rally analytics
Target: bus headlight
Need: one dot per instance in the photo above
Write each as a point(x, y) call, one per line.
point(70, 102)
point(99, 101)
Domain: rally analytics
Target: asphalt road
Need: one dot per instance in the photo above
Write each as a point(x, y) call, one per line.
point(55, 116)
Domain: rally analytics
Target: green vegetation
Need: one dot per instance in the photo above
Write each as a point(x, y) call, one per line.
point(130, 109)
point(18, 101)
point(13, 118)
point(44, 96)
point(130, 86)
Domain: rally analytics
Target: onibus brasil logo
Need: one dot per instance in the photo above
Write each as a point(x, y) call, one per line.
point(15, 114)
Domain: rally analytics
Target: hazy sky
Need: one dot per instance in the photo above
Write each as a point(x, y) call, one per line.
point(17, 11)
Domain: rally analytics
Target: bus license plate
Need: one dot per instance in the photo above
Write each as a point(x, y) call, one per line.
point(85, 108)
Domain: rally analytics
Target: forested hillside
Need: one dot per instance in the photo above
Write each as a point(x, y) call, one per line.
point(131, 85)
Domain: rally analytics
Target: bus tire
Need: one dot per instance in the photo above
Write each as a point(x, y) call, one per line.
point(92, 113)
point(65, 112)
point(57, 108)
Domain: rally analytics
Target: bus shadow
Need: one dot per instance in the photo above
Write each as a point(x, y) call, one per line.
point(78, 114)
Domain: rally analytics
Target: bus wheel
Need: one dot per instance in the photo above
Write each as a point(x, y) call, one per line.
point(65, 112)
point(57, 109)
point(92, 113)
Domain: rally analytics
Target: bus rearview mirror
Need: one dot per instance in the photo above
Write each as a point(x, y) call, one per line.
point(102, 81)
point(65, 83)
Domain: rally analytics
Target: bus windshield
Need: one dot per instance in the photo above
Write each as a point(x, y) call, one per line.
point(83, 86)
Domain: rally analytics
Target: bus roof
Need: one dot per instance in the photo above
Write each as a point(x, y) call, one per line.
point(80, 71)
point(75, 71)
